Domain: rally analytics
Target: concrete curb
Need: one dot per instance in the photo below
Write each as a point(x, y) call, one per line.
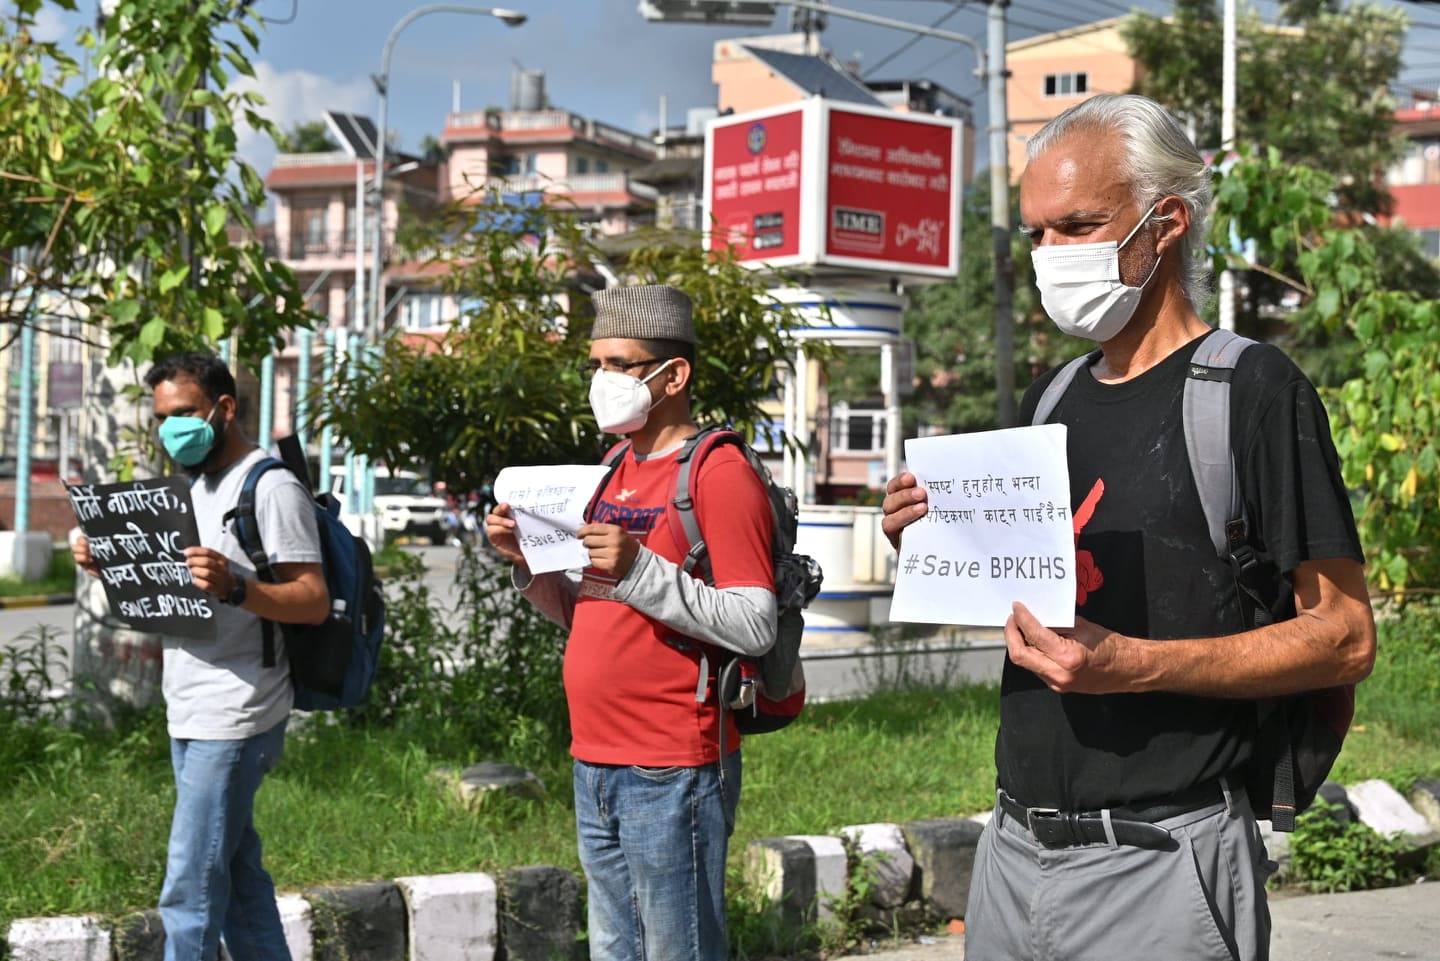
point(918, 869)
point(36, 600)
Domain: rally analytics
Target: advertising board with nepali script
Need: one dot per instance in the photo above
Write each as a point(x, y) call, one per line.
point(825, 183)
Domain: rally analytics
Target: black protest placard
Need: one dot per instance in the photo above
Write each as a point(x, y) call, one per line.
point(138, 532)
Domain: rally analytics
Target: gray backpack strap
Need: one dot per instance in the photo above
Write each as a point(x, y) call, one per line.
point(697, 554)
point(1056, 388)
point(1206, 411)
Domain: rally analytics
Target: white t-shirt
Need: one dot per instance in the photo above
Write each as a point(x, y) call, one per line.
point(218, 690)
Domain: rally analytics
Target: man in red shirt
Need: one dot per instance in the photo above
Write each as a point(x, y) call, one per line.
point(654, 801)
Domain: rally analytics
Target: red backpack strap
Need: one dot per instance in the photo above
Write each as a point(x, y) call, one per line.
point(612, 460)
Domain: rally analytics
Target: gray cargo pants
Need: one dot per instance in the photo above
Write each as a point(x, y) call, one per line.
point(1204, 899)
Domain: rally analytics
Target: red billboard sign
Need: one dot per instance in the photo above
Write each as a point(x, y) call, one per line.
point(825, 184)
point(755, 186)
point(889, 183)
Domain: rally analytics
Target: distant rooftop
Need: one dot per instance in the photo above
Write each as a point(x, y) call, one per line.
point(814, 76)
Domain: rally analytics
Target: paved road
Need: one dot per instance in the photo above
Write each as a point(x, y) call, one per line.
point(1392, 923)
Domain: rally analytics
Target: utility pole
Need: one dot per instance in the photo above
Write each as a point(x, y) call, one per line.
point(999, 130)
point(1226, 295)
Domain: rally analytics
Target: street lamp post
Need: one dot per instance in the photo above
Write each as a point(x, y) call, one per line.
point(511, 18)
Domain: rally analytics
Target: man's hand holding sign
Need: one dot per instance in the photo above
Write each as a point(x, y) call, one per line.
point(539, 520)
point(994, 545)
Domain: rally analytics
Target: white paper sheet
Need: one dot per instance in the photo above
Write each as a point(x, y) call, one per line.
point(548, 504)
point(998, 530)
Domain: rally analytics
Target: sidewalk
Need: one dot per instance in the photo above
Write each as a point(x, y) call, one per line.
point(1401, 922)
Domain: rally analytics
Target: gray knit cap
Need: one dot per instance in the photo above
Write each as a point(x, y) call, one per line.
point(650, 312)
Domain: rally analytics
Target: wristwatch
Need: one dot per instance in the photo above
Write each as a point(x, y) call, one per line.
point(236, 597)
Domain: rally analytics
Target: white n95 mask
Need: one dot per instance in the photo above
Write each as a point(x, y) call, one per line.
point(1081, 289)
point(621, 403)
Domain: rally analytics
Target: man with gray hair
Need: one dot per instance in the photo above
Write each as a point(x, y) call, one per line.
point(1122, 826)
point(654, 799)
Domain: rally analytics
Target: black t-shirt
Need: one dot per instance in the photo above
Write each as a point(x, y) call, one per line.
point(1146, 567)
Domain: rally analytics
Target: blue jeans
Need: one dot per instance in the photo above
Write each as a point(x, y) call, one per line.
point(214, 882)
point(653, 843)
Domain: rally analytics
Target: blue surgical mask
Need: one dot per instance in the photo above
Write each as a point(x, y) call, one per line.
point(188, 440)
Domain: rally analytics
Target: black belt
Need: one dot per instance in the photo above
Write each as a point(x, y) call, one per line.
point(1133, 825)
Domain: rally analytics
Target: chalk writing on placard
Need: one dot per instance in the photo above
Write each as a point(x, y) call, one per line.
point(138, 532)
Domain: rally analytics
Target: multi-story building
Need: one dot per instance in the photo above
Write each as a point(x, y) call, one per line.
point(1053, 71)
point(1414, 181)
point(534, 147)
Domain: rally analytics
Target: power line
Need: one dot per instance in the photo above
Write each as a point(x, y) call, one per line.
point(911, 42)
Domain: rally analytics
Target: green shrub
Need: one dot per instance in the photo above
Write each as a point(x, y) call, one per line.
point(1328, 855)
point(484, 675)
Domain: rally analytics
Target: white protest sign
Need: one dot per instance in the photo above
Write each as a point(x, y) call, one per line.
point(548, 504)
point(998, 530)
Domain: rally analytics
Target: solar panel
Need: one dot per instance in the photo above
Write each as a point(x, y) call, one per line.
point(355, 133)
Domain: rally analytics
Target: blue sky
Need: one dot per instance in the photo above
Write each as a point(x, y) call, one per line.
point(601, 59)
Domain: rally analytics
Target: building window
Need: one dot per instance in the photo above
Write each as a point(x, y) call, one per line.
point(1430, 242)
point(1067, 84)
point(857, 431)
point(309, 227)
point(602, 167)
point(582, 165)
point(422, 312)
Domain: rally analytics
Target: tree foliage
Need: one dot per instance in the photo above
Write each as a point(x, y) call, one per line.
point(503, 386)
point(952, 325)
point(120, 182)
point(1315, 86)
point(1385, 417)
point(310, 137)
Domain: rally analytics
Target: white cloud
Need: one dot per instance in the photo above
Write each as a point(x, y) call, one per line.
point(50, 24)
point(293, 97)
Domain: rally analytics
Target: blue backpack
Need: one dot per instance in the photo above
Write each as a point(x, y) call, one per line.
point(332, 664)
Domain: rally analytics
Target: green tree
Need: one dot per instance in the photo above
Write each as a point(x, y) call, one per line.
point(503, 387)
point(1385, 417)
point(123, 207)
point(952, 325)
point(312, 137)
point(1315, 86)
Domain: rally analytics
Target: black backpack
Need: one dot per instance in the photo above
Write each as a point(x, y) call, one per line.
point(1299, 736)
point(333, 663)
point(766, 692)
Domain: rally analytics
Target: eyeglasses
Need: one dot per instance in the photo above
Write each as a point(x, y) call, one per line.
point(588, 368)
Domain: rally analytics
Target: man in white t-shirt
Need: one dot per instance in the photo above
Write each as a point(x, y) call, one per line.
point(226, 710)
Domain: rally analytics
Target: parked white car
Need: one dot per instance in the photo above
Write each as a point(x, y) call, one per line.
point(404, 503)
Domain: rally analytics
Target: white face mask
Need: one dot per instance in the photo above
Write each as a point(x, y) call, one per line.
point(1081, 289)
point(622, 403)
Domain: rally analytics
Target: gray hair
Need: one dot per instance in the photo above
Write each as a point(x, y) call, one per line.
point(1160, 161)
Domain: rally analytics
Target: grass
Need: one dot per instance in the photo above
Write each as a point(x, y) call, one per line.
point(86, 815)
point(85, 829)
point(58, 579)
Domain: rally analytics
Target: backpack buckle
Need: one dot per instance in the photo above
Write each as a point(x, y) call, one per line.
point(1243, 560)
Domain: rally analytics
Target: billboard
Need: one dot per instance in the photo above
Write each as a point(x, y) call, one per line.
point(831, 184)
point(753, 168)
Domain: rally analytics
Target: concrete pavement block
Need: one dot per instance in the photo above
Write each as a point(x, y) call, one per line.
point(831, 867)
point(72, 938)
point(1425, 798)
point(141, 937)
point(944, 852)
point(365, 922)
point(452, 917)
point(295, 920)
point(781, 870)
point(884, 856)
point(1385, 811)
point(540, 915)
